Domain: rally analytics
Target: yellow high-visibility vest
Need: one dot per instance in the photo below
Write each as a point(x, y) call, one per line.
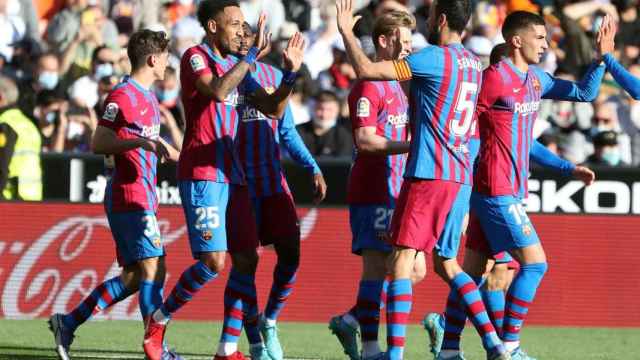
point(25, 163)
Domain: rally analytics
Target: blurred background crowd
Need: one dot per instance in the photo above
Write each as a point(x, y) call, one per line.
point(60, 58)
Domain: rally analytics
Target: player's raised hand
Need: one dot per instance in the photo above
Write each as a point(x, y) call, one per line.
point(263, 38)
point(346, 20)
point(605, 39)
point(584, 174)
point(320, 188)
point(294, 53)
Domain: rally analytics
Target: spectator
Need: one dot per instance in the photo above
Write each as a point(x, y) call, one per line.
point(171, 110)
point(629, 116)
point(318, 56)
point(20, 146)
point(84, 91)
point(322, 135)
point(549, 141)
point(340, 75)
point(51, 116)
point(12, 30)
point(607, 151)
point(606, 119)
point(273, 9)
point(46, 77)
point(629, 27)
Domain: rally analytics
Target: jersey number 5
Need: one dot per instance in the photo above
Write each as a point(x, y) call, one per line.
point(466, 107)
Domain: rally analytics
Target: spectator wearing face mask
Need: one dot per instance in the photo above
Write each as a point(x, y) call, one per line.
point(46, 77)
point(607, 150)
point(323, 136)
point(171, 110)
point(84, 91)
point(606, 119)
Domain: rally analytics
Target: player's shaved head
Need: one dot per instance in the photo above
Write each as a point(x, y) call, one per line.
point(519, 21)
point(210, 9)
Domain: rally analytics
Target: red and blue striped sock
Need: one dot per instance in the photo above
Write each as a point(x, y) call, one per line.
point(494, 302)
point(470, 300)
point(150, 297)
point(103, 296)
point(234, 296)
point(368, 308)
point(247, 291)
point(284, 277)
point(399, 298)
point(190, 282)
point(455, 319)
point(519, 298)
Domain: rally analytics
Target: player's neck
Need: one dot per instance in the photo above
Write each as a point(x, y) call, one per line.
point(144, 77)
point(519, 62)
point(450, 38)
point(208, 39)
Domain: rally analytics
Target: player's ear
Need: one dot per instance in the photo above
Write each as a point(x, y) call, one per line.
point(442, 21)
point(383, 41)
point(212, 26)
point(516, 41)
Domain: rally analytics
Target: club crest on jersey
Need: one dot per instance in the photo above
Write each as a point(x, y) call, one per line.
point(110, 112)
point(363, 107)
point(536, 84)
point(157, 242)
point(526, 229)
point(269, 89)
point(197, 62)
point(207, 235)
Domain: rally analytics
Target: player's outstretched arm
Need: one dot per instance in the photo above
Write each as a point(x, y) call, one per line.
point(364, 68)
point(367, 141)
point(544, 157)
point(584, 91)
point(606, 37)
point(274, 105)
point(218, 88)
point(294, 145)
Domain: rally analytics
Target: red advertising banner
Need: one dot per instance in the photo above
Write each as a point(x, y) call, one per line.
point(52, 255)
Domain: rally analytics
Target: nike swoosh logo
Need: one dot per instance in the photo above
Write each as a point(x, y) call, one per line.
point(389, 101)
point(144, 111)
point(515, 91)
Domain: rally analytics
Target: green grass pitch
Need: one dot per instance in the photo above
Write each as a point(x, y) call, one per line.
point(31, 339)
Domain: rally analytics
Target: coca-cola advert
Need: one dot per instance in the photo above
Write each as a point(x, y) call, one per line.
point(52, 255)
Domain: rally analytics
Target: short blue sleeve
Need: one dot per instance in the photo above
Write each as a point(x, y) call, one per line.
point(428, 62)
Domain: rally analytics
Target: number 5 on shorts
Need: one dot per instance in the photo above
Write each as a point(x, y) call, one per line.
point(208, 218)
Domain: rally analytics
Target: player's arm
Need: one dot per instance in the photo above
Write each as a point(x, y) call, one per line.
point(218, 88)
point(584, 91)
point(622, 76)
point(365, 68)
point(542, 156)
point(367, 141)
point(274, 105)
point(300, 154)
point(106, 140)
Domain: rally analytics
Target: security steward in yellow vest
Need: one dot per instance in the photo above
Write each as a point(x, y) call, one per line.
point(20, 146)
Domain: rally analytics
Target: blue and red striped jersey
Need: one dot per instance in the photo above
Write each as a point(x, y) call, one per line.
point(377, 179)
point(445, 81)
point(259, 139)
point(208, 151)
point(132, 112)
point(507, 108)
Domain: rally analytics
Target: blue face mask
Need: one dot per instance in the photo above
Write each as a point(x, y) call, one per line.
point(48, 80)
point(165, 95)
point(103, 70)
point(611, 157)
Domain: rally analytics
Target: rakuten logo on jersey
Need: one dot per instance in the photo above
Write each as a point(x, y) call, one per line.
point(526, 108)
point(398, 120)
point(252, 114)
point(151, 132)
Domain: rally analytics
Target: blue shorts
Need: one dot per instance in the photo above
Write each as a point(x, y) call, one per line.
point(205, 208)
point(505, 221)
point(370, 227)
point(449, 241)
point(137, 236)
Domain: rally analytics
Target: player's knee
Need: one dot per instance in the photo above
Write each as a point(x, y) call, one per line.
point(419, 273)
point(497, 279)
point(536, 270)
point(246, 262)
point(152, 269)
point(215, 261)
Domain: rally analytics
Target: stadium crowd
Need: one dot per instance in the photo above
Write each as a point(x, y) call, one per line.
point(66, 55)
